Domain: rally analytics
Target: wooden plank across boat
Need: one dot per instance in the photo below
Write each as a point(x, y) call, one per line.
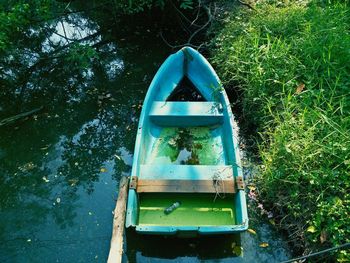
point(186, 155)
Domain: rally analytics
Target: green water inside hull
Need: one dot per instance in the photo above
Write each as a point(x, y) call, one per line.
point(192, 146)
point(195, 210)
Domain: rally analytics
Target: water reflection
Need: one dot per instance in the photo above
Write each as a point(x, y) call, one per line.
point(60, 168)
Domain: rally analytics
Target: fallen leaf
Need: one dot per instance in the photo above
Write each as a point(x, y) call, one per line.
point(251, 187)
point(29, 240)
point(76, 163)
point(90, 213)
point(58, 200)
point(45, 147)
point(45, 179)
point(27, 167)
point(237, 249)
point(264, 244)
point(103, 170)
point(117, 156)
point(73, 182)
point(300, 88)
point(323, 236)
point(272, 222)
point(251, 231)
point(311, 229)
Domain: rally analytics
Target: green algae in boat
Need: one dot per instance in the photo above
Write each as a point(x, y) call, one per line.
point(187, 154)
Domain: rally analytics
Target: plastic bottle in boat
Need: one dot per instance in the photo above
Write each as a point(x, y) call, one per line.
point(171, 208)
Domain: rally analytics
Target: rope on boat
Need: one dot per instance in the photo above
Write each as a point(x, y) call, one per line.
point(318, 253)
point(218, 185)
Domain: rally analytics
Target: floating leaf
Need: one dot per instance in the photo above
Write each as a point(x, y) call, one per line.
point(90, 213)
point(73, 182)
point(272, 222)
point(29, 240)
point(311, 229)
point(27, 167)
point(58, 200)
point(237, 250)
point(251, 231)
point(45, 147)
point(264, 244)
point(103, 170)
point(117, 156)
point(45, 179)
point(76, 163)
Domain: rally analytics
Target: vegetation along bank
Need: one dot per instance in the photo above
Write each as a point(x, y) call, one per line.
point(289, 62)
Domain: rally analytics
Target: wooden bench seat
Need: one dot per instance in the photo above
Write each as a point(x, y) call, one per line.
point(184, 179)
point(186, 113)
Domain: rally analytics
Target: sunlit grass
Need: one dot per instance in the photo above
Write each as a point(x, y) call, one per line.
point(291, 64)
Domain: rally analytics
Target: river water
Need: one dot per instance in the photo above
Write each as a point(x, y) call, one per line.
point(60, 170)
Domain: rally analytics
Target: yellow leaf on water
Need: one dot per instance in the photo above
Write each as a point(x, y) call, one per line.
point(251, 231)
point(103, 170)
point(311, 229)
point(263, 244)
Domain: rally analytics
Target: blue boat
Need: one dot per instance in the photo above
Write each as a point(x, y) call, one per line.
point(186, 177)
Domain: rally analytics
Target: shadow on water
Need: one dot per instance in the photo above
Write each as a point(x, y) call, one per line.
point(60, 168)
point(244, 247)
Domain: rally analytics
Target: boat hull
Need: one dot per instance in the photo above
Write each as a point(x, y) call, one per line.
point(181, 142)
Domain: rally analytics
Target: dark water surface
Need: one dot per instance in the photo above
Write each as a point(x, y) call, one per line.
point(59, 174)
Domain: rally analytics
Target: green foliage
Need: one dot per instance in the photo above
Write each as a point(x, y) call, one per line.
point(186, 4)
point(80, 56)
point(137, 6)
point(291, 63)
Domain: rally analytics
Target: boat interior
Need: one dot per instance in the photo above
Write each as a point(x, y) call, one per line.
point(186, 154)
point(186, 146)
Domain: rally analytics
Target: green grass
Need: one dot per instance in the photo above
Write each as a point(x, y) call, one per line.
point(291, 65)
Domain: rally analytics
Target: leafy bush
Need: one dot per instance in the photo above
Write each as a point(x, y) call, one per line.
point(291, 64)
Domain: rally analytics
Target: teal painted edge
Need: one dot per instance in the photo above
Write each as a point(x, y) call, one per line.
point(201, 230)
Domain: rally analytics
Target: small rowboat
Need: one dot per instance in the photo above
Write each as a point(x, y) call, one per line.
point(186, 177)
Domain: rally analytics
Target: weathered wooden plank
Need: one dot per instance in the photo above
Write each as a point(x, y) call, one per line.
point(116, 250)
point(186, 186)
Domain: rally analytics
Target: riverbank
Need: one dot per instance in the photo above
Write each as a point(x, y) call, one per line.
point(289, 64)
